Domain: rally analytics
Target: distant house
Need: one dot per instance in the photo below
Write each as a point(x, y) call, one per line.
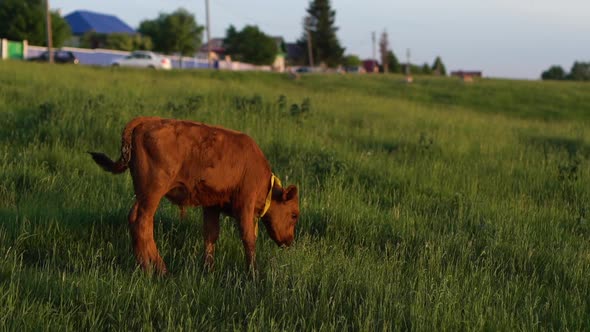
point(371, 66)
point(467, 76)
point(217, 49)
point(83, 21)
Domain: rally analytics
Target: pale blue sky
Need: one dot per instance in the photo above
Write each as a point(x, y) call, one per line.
point(504, 38)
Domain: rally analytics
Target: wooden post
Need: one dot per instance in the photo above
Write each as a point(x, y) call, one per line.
point(208, 34)
point(3, 49)
point(25, 49)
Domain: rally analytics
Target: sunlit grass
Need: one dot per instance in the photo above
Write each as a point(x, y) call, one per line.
point(433, 206)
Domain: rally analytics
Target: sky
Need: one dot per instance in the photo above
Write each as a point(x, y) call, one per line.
point(503, 38)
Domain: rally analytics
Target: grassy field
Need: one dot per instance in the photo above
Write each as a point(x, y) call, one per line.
point(432, 206)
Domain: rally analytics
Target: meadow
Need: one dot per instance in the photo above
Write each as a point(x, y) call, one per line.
point(433, 206)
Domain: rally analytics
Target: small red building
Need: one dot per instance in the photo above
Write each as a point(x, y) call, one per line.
point(467, 75)
point(371, 66)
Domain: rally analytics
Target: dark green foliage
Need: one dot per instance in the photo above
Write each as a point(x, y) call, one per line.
point(554, 73)
point(185, 108)
point(394, 65)
point(301, 110)
point(569, 171)
point(250, 45)
point(177, 32)
point(321, 21)
point(249, 104)
point(282, 103)
point(438, 67)
point(580, 71)
point(116, 41)
point(25, 20)
point(416, 69)
point(351, 61)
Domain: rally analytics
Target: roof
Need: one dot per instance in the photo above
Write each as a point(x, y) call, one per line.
point(83, 21)
point(216, 46)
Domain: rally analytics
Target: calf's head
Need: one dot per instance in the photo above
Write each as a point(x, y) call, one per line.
point(282, 216)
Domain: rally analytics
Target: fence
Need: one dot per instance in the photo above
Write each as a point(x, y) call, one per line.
point(103, 57)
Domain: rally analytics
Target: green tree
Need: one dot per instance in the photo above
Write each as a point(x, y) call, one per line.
point(25, 20)
point(426, 69)
point(250, 45)
point(580, 71)
point(177, 32)
point(320, 22)
point(554, 73)
point(393, 62)
point(352, 60)
point(438, 67)
point(116, 41)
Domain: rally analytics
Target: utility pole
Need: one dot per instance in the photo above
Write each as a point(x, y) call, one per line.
point(374, 49)
point(409, 78)
point(408, 62)
point(309, 43)
point(374, 64)
point(48, 28)
point(208, 35)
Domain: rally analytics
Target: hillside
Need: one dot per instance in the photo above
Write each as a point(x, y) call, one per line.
point(437, 205)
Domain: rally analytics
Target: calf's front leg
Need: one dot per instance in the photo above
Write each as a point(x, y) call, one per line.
point(248, 230)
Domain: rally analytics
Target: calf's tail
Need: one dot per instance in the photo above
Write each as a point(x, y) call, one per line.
point(121, 165)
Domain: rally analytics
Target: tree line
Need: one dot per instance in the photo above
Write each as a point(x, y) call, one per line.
point(179, 33)
point(580, 71)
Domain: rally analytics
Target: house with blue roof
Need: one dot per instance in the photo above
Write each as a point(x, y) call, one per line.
point(84, 21)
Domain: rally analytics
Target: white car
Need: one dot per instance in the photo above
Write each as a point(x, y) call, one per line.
point(143, 59)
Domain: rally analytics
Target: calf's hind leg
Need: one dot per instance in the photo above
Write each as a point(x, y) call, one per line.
point(141, 227)
point(210, 233)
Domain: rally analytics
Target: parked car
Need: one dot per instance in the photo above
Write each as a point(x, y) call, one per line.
point(143, 59)
point(355, 70)
point(304, 70)
point(58, 57)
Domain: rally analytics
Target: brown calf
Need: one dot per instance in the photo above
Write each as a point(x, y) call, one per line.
point(193, 164)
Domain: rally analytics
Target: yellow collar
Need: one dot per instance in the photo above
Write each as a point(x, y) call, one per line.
point(273, 179)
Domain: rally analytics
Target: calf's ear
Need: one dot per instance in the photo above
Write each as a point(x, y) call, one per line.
point(289, 193)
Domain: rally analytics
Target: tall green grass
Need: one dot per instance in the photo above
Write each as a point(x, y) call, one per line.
point(437, 205)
